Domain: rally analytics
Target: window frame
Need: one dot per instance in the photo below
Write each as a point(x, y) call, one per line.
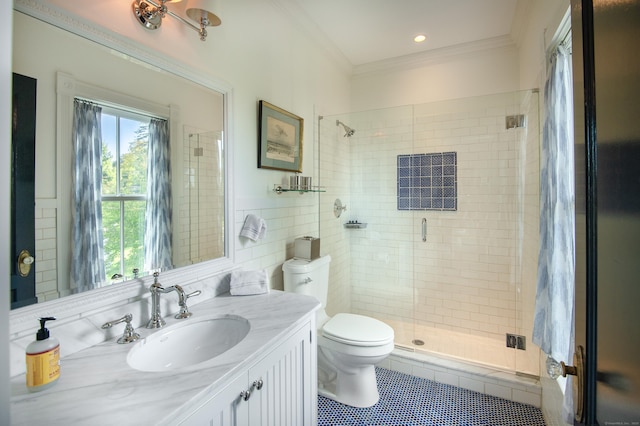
point(120, 198)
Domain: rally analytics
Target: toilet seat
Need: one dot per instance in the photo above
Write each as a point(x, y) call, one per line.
point(357, 330)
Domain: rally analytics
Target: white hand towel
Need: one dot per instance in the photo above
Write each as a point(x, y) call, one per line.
point(254, 228)
point(244, 283)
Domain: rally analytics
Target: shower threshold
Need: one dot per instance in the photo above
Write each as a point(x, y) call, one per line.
point(466, 374)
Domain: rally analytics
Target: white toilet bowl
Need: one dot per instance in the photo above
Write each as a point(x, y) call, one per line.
point(349, 345)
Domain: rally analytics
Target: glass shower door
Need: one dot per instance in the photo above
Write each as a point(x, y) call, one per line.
point(360, 170)
point(479, 178)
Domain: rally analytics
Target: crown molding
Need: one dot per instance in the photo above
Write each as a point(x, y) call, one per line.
point(435, 56)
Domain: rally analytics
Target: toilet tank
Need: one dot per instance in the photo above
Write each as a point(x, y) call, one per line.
point(310, 277)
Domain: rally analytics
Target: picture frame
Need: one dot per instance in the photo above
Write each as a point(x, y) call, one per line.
point(279, 138)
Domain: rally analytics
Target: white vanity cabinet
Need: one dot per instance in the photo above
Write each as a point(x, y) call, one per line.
point(279, 389)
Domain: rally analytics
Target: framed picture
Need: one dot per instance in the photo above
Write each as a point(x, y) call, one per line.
point(279, 139)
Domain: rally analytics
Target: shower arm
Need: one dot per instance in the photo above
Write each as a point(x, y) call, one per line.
point(348, 130)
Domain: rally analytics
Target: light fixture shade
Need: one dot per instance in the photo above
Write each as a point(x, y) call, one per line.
point(201, 11)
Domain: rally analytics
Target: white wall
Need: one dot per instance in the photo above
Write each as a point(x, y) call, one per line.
point(541, 21)
point(335, 175)
point(480, 69)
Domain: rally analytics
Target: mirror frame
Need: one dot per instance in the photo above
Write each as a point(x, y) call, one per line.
point(72, 306)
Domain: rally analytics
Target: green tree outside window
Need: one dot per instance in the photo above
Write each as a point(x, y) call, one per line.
point(124, 184)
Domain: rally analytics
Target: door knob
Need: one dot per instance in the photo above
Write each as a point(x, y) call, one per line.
point(557, 369)
point(25, 260)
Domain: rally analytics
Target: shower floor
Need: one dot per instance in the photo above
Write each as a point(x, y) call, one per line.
point(480, 350)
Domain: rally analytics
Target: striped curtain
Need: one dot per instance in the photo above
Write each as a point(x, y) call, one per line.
point(87, 257)
point(556, 258)
point(554, 308)
point(157, 236)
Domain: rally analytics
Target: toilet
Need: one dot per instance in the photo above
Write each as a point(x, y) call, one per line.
point(349, 345)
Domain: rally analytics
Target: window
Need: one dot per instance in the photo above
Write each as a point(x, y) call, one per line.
point(125, 138)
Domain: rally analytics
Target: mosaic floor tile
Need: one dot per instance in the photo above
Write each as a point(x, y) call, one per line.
point(411, 401)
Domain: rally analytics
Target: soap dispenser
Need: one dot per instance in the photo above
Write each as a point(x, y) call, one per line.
point(43, 359)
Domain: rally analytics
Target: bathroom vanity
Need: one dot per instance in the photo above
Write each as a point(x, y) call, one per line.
point(268, 378)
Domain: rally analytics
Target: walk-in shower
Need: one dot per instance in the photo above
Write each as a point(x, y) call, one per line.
point(450, 198)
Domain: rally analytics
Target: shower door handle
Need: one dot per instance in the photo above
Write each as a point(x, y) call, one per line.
point(555, 369)
point(424, 229)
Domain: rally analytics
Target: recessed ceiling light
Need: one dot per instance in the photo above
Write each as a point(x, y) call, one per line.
point(420, 38)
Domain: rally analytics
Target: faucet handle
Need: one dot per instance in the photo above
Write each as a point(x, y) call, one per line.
point(130, 334)
point(182, 301)
point(194, 293)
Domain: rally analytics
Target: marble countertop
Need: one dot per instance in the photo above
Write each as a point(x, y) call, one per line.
point(97, 386)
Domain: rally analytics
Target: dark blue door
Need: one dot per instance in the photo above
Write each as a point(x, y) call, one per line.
point(23, 140)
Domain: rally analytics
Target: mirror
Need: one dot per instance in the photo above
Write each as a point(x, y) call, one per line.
point(66, 66)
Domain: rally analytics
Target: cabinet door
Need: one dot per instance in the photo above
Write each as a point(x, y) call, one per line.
point(226, 408)
point(287, 395)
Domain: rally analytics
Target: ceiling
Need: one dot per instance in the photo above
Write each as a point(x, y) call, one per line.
point(368, 31)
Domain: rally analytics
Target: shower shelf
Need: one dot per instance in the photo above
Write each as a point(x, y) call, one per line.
point(279, 189)
point(355, 225)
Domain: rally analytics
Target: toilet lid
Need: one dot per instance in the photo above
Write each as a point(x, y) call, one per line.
point(357, 330)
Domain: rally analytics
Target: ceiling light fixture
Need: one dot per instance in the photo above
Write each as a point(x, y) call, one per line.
point(420, 38)
point(150, 13)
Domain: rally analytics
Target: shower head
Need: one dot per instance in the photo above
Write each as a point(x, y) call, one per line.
point(348, 130)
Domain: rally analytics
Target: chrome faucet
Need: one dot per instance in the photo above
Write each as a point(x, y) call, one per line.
point(130, 334)
point(156, 289)
point(182, 301)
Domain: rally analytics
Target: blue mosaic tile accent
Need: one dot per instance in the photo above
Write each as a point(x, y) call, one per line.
point(411, 401)
point(428, 181)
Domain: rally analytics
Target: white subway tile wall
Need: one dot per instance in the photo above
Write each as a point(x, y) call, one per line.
point(289, 219)
point(335, 177)
point(46, 253)
point(201, 210)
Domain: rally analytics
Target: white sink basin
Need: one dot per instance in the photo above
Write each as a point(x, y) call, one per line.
point(188, 343)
